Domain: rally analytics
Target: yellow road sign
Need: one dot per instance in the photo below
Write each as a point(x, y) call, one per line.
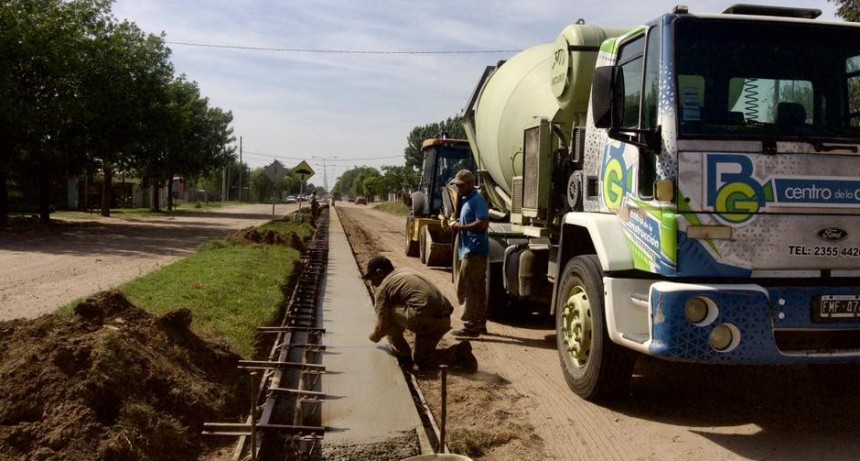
point(303, 170)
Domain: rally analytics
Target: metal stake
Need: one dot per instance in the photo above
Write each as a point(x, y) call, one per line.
point(442, 447)
point(253, 417)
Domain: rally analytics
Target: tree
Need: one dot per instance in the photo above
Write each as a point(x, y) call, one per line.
point(351, 181)
point(400, 179)
point(261, 186)
point(126, 81)
point(453, 127)
point(43, 50)
point(848, 10)
point(195, 139)
point(372, 186)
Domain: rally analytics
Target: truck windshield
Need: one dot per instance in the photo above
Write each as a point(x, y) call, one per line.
point(758, 79)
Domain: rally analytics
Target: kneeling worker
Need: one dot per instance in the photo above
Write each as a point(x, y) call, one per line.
point(406, 300)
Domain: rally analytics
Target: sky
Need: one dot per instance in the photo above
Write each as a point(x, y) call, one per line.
point(337, 108)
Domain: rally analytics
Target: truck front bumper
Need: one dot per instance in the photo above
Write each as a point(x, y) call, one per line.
point(754, 324)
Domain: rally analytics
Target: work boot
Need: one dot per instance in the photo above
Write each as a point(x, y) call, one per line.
point(466, 333)
point(466, 361)
point(405, 362)
point(470, 331)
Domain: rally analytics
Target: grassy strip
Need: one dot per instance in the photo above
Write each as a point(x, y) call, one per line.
point(395, 208)
point(231, 288)
point(185, 208)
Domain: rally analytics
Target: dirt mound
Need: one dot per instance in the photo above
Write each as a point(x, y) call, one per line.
point(111, 382)
point(253, 235)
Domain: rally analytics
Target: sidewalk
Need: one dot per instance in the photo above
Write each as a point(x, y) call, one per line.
point(369, 401)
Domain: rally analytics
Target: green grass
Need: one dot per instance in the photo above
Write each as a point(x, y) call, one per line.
point(230, 288)
point(184, 208)
point(395, 208)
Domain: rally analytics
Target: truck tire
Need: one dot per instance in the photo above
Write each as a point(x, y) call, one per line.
point(422, 245)
point(411, 247)
point(594, 367)
point(419, 204)
point(497, 299)
point(455, 267)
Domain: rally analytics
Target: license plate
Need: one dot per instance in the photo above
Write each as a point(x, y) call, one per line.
point(836, 308)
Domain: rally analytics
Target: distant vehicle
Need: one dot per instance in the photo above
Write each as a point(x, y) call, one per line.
point(290, 199)
point(361, 200)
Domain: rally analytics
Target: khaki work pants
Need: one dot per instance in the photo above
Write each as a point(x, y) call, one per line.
point(472, 291)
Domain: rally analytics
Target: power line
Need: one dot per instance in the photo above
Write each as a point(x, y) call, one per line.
point(348, 160)
point(333, 51)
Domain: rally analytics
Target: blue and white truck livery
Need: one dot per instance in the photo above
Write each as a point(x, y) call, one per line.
point(689, 190)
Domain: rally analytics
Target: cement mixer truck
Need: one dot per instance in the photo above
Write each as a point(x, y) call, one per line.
point(688, 190)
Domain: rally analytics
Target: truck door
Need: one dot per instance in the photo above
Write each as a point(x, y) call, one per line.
point(630, 160)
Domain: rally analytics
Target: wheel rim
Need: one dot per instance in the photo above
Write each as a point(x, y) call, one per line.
point(577, 326)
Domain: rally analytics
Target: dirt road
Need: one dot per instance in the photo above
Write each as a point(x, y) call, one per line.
point(43, 270)
point(674, 411)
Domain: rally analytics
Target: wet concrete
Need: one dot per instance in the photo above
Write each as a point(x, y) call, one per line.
point(369, 401)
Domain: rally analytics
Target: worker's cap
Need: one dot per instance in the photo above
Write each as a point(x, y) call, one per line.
point(463, 177)
point(378, 264)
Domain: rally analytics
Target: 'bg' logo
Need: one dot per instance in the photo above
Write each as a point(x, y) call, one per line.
point(731, 190)
point(614, 177)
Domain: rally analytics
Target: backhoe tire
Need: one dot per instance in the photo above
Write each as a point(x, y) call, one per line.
point(422, 245)
point(411, 246)
point(594, 367)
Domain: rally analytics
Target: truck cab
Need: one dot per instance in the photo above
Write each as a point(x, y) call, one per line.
point(726, 149)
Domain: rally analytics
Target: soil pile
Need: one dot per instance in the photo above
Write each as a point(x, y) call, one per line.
point(253, 235)
point(111, 382)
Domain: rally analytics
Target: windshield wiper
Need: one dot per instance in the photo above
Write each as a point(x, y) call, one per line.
point(821, 147)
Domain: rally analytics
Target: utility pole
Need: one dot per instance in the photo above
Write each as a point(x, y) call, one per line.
point(325, 177)
point(240, 168)
point(325, 170)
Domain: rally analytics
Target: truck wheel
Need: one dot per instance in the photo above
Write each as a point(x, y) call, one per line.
point(594, 367)
point(419, 204)
point(422, 245)
point(455, 267)
point(497, 298)
point(411, 245)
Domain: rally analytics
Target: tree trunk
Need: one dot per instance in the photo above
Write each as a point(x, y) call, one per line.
point(170, 195)
point(156, 206)
point(44, 197)
point(4, 191)
point(107, 190)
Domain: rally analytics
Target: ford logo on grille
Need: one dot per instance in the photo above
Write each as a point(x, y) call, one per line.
point(832, 234)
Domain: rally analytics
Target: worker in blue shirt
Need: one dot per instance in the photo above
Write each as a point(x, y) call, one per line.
point(473, 250)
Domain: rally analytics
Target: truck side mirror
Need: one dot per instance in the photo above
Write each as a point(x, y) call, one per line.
point(607, 96)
